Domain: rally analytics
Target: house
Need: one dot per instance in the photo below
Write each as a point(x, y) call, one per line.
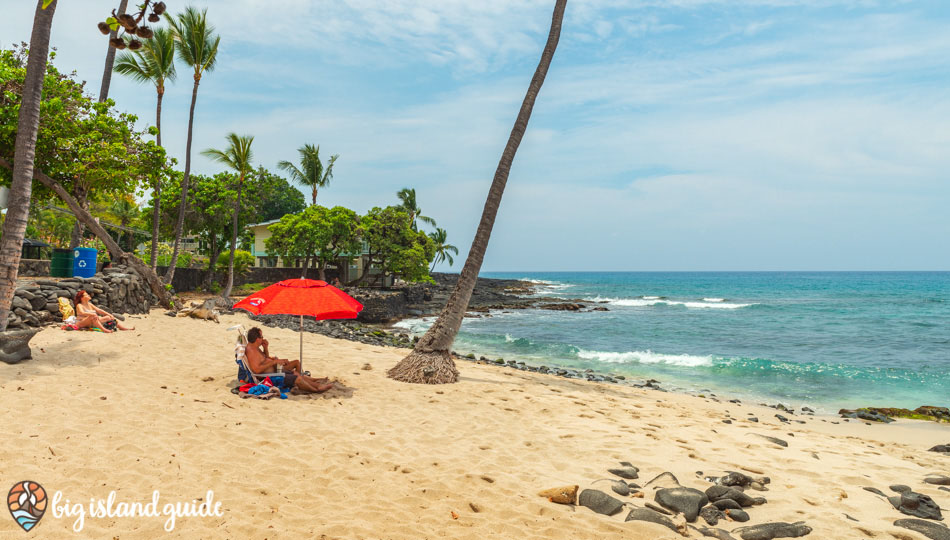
point(348, 266)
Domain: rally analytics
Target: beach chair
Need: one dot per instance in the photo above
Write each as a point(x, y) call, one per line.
point(244, 370)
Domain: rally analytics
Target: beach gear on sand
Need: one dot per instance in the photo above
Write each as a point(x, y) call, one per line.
point(244, 370)
point(304, 297)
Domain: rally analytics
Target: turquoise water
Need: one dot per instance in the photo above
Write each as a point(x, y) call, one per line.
point(823, 339)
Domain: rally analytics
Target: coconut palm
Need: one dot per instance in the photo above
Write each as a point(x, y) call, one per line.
point(442, 249)
point(125, 210)
point(430, 361)
point(237, 156)
point(408, 198)
point(110, 57)
point(197, 46)
point(154, 63)
point(311, 172)
point(21, 187)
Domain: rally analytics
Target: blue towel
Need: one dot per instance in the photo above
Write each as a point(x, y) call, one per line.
point(258, 389)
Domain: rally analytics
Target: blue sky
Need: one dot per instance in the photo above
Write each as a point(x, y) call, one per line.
point(669, 135)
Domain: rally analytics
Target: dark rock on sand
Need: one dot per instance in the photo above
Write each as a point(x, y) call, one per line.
point(944, 489)
point(938, 480)
point(916, 504)
point(645, 514)
point(864, 414)
point(774, 440)
point(727, 504)
point(718, 493)
point(718, 534)
point(711, 514)
point(599, 502)
point(629, 472)
point(686, 501)
point(781, 418)
point(658, 508)
point(736, 479)
point(942, 448)
point(899, 488)
point(875, 491)
point(768, 531)
point(619, 487)
point(15, 345)
point(934, 531)
point(737, 515)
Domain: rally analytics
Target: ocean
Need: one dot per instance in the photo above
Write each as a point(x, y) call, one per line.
point(821, 339)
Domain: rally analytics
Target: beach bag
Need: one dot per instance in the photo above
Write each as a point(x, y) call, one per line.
point(65, 308)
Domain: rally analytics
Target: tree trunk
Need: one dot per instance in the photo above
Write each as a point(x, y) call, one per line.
point(226, 293)
point(157, 190)
point(322, 270)
point(75, 238)
point(430, 361)
point(110, 59)
point(21, 187)
point(213, 261)
point(180, 224)
point(154, 282)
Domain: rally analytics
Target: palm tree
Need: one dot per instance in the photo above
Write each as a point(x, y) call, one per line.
point(124, 209)
point(153, 63)
point(408, 198)
point(21, 187)
point(311, 172)
point(237, 156)
point(198, 47)
point(110, 58)
point(442, 249)
point(430, 361)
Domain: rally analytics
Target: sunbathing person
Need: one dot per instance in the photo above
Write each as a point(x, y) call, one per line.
point(260, 360)
point(89, 316)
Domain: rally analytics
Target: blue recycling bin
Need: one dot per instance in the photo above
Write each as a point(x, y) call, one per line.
point(84, 262)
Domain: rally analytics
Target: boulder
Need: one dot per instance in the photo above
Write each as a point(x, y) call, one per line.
point(934, 531)
point(686, 501)
point(628, 472)
point(916, 504)
point(718, 493)
point(711, 514)
point(942, 448)
point(599, 502)
point(938, 480)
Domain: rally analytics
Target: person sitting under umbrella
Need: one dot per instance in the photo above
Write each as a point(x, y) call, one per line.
point(260, 361)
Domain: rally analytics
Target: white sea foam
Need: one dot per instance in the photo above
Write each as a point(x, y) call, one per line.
point(509, 339)
point(647, 301)
point(713, 299)
point(415, 325)
point(646, 357)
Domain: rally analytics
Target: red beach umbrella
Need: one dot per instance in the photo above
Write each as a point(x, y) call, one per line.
point(304, 297)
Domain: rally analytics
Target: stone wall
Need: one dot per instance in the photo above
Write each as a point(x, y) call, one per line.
point(118, 290)
point(33, 268)
point(189, 279)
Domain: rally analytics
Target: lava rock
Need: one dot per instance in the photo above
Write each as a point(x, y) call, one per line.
point(686, 501)
point(774, 440)
point(736, 479)
point(599, 502)
point(931, 530)
point(727, 504)
point(718, 493)
point(917, 505)
point(664, 480)
point(718, 534)
point(875, 491)
point(899, 488)
point(645, 514)
point(938, 480)
point(711, 514)
point(629, 472)
point(778, 529)
point(737, 515)
point(15, 345)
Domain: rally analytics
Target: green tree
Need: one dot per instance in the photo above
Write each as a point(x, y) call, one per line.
point(277, 197)
point(154, 63)
point(408, 198)
point(238, 157)
point(14, 225)
point(443, 250)
point(311, 172)
point(430, 361)
point(295, 237)
point(394, 248)
point(197, 46)
point(125, 210)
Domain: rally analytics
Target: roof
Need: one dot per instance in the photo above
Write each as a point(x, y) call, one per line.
point(271, 222)
point(29, 242)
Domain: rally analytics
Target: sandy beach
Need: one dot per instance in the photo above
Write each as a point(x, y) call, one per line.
point(151, 409)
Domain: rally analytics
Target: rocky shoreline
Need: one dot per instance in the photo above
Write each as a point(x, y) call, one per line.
point(426, 300)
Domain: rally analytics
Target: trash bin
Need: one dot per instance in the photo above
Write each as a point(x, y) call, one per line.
point(61, 265)
point(84, 262)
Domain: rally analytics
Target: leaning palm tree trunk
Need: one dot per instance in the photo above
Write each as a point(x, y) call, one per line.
point(234, 234)
point(430, 361)
point(21, 188)
point(110, 59)
point(180, 224)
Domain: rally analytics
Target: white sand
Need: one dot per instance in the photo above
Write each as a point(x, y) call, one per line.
point(129, 412)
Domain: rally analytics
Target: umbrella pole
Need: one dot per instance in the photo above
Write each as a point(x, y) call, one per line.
point(301, 344)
